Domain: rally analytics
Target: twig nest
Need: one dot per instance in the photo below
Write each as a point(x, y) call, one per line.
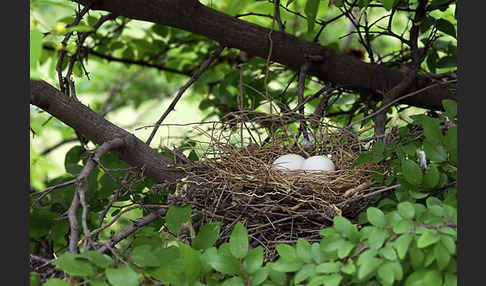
point(288, 162)
point(318, 163)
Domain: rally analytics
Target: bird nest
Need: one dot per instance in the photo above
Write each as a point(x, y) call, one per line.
point(234, 180)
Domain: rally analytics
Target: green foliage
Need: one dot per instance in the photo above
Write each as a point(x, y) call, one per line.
point(412, 241)
point(311, 8)
point(408, 238)
point(176, 216)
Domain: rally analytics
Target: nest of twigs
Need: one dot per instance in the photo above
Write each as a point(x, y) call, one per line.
point(235, 181)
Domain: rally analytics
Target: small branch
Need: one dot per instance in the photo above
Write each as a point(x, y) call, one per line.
point(73, 223)
point(401, 98)
point(276, 14)
point(195, 77)
point(62, 52)
point(96, 231)
point(368, 195)
point(52, 148)
point(50, 189)
point(80, 194)
point(300, 99)
point(132, 228)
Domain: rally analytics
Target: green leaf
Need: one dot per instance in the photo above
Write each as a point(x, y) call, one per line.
point(143, 255)
point(368, 266)
point(259, 276)
point(428, 237)
point(34, 279)
point(345, 227)
point(376, 217)
point(286, 251)
point(331, 244)
point(403, 226)
point(171, 273)
point(160, 30)
point(176, 216)
point(450, 279)
point(366, 256)
point(329, 267)
point(238, 241)
point(235, 281)
point(316, 252)
point(424, 277)
point(349, 268)
point(450, 107)
point(304, 273)
point(442, 255)
point(192, 264)
point(450, 142)
point(123, 276)
point(74, 264)
point(401, 244)
point(35, 47)
point(254, 260)
point(332, 280)
point(276, 276)
point(345, 249)
point(72, 158)
point(101, 281)
point(449, 243)
point(431, 177)
point(412, 172)
point(56, 282)
point(435, 152)
point(208, 234)
point(377, 238)
point(446, 27)
point(388, 253)
point(222, 263)
point(98, 259)
point(431, 128)
point(303, 250)
point(311, 8)
point(388, 4)
point(284, 265)
point(364, 157)
point(416, 256)
point(406, 210)
point(386, 273)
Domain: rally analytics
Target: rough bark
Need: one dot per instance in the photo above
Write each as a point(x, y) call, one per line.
point(342, 70)
point(94, 127)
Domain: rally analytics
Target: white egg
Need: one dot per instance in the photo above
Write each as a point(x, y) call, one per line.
point(288, 162)
point(318, 163)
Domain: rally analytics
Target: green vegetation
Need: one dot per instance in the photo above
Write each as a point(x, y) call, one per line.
point(101, 219)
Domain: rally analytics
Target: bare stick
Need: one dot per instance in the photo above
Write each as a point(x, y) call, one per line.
point(132, 228)
point(401, 98)
point(368, 195)
point(195, 77)
point(50, 189)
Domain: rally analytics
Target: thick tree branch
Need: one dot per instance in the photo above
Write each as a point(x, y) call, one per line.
point(94, 127)
point(341, 70)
